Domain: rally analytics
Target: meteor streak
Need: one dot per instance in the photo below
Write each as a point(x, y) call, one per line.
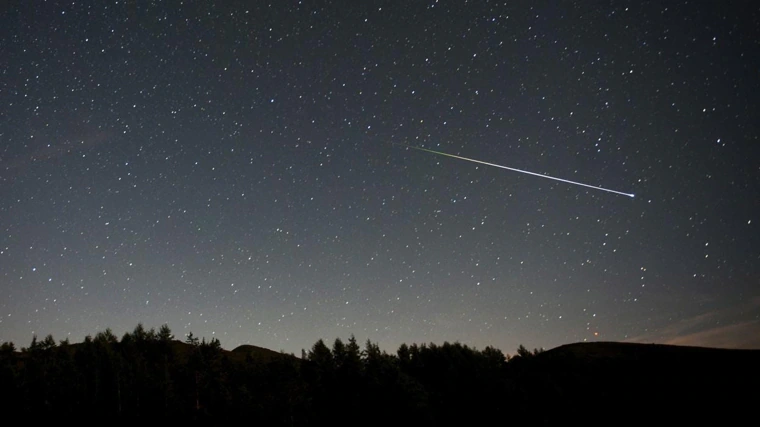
point(518, 170)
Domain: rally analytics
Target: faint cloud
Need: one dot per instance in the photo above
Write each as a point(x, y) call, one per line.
point(740, 335)
point(727, 328)
point(49, 148)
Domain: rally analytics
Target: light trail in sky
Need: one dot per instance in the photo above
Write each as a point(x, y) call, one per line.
point(518, 170)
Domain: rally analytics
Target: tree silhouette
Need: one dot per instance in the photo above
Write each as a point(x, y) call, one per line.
point(10, 387)
point(165, 334)
point(147, 376)
point(191, 339)
point(523, 352)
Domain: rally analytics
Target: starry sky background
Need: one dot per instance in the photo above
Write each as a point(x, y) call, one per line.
point(230, 169)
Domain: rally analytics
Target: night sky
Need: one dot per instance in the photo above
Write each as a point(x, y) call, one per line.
point(244, 171)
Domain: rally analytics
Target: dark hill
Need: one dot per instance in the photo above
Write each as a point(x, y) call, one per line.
point(257, 353)
point(643, 383)
point(634, 351)
point(239, 354)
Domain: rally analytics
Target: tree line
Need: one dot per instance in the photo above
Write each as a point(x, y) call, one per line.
point(148, 375)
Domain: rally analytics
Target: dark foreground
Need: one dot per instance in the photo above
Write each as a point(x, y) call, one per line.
point(148, 377)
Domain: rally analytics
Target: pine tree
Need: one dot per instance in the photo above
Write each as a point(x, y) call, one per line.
point(165, 334)
point(191, 339)
point(106, 337)
point(353, 360)
point(494, 356)
point(7, 348)
point(524, 352)
point(139, 333)
point(339, 352)
point(34, 345)
point(320, 354)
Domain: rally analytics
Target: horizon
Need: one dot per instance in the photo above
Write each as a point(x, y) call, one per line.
point(329, 342)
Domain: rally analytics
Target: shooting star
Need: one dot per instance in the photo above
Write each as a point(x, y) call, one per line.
point(518, 170)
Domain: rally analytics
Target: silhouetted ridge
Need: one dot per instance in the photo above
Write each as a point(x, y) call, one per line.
point(636, 351)
point(665, 383)
point(260, 353)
